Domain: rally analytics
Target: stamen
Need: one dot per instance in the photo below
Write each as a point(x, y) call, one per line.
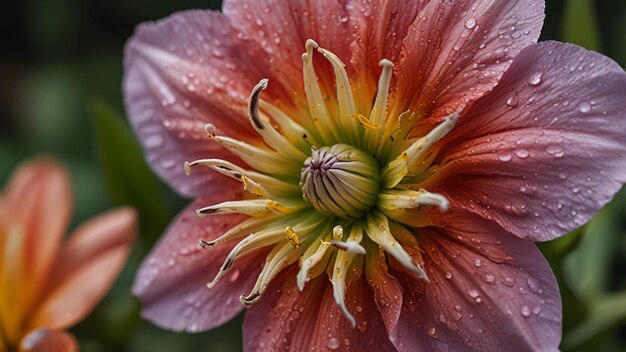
point(259, 184)
point(325, 124)
point(406, 199)
point(252, 207)
point(266, 237)
point(407, 160)
point(262, 160)
point(379, 110)
point(276, 261)
point(233, 171)
point(348, 246)
point(249, 226)
point(271, 137)
point(253, 241)
point(293, 131)
point(345, 99)
point(377, 230)
point(316, 253)
point(342, 264)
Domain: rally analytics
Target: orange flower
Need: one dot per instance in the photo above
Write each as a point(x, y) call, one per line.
point(47, 284)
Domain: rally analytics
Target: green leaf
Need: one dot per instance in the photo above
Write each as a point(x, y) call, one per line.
point(607, 314)
point(127, 178)
point(587, 269)
point(580, 25)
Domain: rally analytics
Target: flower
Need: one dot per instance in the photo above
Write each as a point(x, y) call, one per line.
point(47, 284)
point(388, 166)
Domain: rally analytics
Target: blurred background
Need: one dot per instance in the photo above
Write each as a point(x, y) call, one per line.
point(60, 78)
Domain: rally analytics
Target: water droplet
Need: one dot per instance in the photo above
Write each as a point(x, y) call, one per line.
point(512, 101)
point(343, 19)
point(555, 150)
point(535, 78)
point(154, 141)
point(525, 310)
point(471, 23)
point(333, 343)
point(521, 153)
point(584, 108)
point(562, 176)
point(478, 263)
point(536, 310)
point(431, 330)
point(490, 278)
point(505, 156)
point(473, 293)
point(533, 283)
point(168, 163)
point(448, 275)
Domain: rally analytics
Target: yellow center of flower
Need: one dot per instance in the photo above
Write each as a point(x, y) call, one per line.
point(335, 191)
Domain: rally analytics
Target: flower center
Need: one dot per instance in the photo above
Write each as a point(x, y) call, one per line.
point(340, 180)
point(359, 196)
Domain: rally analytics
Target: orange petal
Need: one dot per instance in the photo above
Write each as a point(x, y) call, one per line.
point(88, 265)
point(36, 208)
point(44, 340)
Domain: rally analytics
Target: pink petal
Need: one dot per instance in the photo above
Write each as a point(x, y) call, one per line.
point(455, 52)
point(282, 28)
point(172, 282)
point(88, 265)
point(181, 73)
point(289, 320)
point(543, 152)
point(44, 340)
point(381, 26)
point(387, 293)
point(38, 201)
point(488, 291)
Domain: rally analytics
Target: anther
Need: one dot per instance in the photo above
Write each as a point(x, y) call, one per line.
point(253, 104)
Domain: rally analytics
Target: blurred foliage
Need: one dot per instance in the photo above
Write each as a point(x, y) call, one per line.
point(60, 94)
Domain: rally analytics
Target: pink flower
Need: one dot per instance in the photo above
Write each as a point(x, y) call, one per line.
point(384, 184)
point(47, 284)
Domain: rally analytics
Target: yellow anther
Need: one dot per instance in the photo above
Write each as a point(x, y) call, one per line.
point(363, 121)
point(292, 237)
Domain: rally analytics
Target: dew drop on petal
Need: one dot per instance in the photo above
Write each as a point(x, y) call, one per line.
point(490, 278)
point(584, 108)
point(555, 150)
point(470, 24)
point(521, 153)
point(535, 78)
point(525, 311)
point(473, 293)
point(533, 283)
point(512, 101)
point(504, 156)
point(333, 343)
